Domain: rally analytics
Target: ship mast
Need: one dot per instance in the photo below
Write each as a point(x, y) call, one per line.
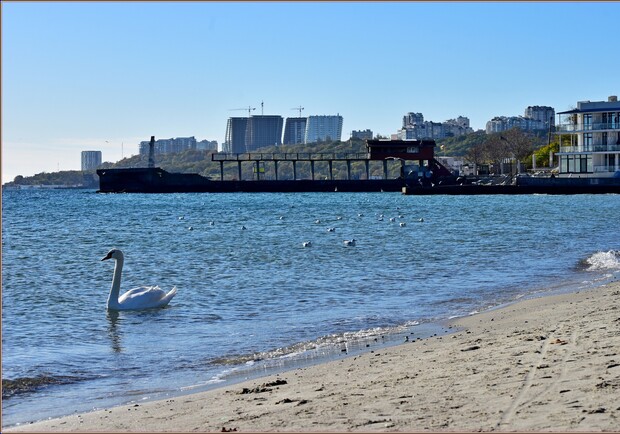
point(152, 153)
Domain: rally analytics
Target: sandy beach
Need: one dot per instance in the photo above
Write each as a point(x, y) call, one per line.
point(545, 364)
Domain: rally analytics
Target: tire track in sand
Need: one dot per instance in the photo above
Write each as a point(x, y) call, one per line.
point(520, 400)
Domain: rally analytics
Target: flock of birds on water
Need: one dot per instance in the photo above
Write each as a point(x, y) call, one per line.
point(347, 243)
point(151, 297)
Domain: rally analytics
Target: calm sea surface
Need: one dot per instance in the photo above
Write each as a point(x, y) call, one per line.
point(255, 300)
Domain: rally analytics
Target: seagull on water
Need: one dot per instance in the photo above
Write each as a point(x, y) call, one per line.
point(349, 243)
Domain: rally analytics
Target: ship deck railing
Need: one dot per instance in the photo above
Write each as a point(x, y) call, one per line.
point(290, 156)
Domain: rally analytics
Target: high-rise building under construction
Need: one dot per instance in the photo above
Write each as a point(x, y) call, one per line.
point(234, 141)
point(249, 134)
point(294, 131)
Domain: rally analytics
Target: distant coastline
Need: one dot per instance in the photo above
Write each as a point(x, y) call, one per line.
point(199, 161)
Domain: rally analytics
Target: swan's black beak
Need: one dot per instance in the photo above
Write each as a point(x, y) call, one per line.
point(108, 256)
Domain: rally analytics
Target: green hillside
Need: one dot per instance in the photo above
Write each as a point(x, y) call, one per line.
point(477, 146)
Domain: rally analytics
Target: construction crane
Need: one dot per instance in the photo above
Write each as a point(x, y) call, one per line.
point(249, 109)
point(300, 108)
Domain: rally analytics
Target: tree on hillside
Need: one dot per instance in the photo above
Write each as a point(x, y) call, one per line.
point(475, 155)
point(542, 154)
point(458, 146)
point(519, 144)
point(509, 144)
point(494, 150)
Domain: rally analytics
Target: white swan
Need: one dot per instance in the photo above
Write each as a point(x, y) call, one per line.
point(144, 297)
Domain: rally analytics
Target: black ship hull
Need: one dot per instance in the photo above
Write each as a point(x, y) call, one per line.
point(156, 180)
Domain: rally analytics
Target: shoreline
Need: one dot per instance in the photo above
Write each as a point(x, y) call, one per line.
point(546, 363)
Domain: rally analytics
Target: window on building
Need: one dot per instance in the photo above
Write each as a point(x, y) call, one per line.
point(564, 164)
point(583, 167)
point(587, 142)
point(587, 122)
point(576, 164)
point(571, 164)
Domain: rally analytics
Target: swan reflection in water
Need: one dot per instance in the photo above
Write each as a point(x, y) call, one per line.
point(144, 297)
point(113, 332)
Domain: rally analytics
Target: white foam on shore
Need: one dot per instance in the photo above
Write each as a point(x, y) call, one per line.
point(599, 261)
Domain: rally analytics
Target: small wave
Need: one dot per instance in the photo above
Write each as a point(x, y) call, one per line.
point(333, 342)
point(22, 385)
point(600, 261)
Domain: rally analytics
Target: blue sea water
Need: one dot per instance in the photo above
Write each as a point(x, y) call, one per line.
point(255, 300)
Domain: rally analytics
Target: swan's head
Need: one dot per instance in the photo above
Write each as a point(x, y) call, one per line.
point(113, 254)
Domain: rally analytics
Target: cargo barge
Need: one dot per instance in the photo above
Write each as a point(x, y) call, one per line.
point(415, 159)
point(420, 174)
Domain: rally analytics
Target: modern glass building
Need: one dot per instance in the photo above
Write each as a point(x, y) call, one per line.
point(594, 132)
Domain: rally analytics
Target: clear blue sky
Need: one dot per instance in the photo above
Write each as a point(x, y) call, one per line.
point(106, 75)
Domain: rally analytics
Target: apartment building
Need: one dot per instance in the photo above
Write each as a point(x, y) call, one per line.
point(322, 128)
point(91, 160)
point(594, 132)
point(503, 123)
point(169, 146)
point(416, 128)
point(362, 135)
point(411, 119)
point(206, 145)
point(544, 114)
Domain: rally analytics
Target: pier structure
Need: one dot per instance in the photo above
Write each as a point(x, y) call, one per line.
point(386, 151)
point(293, 158)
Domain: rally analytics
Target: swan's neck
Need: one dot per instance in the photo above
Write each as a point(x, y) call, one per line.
point(116, 284)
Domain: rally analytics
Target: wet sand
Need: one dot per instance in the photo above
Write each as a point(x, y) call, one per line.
point(547, 364)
